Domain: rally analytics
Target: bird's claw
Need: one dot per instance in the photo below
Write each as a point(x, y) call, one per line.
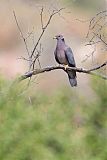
point(65, 66)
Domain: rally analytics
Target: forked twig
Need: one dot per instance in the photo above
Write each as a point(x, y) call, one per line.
point(35, 53)
point(44, 27)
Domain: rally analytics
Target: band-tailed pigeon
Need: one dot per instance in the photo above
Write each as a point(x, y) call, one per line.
point(64, 55)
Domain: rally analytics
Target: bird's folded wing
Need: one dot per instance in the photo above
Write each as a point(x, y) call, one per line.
point(70, 57)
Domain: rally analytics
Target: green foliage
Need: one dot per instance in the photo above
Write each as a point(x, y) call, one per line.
point(62, 126)
point(88, 4)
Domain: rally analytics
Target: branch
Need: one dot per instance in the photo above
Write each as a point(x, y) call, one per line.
point(34, 55)
point(96, 31)
point(80, 70)
point(24, 39)
point(44, 27)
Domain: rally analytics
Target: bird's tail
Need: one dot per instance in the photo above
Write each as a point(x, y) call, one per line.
point(72, 78)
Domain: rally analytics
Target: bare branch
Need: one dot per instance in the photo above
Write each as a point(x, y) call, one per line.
point(96, 31)
point(23, 58)
point(80, 70)
point(24, 39)
point(44, 28)
point(41, 15)
point(98, 67)
point(96, 37)
point(100, 37)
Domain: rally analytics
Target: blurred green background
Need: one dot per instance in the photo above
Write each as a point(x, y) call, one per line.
point(49, 120)
point(88, 4)
point(62, 126)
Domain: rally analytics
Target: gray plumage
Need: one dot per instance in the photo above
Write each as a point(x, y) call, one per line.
point(64, 55)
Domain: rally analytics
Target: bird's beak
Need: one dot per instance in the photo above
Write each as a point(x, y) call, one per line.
point(54, 37)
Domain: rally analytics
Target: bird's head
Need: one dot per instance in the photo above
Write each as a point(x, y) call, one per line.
point(59, 37)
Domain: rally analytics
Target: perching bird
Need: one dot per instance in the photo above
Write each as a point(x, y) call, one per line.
point(64, 55)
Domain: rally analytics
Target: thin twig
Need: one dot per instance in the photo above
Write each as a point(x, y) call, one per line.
point(24, 39)
point(100, 37)
point(44, 28)
point(41, 15)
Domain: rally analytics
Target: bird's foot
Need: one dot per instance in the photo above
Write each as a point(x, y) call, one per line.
point(65, 66)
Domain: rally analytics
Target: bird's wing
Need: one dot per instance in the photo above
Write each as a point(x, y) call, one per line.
point(71, 62)
point(70, 57)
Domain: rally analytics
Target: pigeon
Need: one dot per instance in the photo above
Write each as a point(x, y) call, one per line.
point(64, 55)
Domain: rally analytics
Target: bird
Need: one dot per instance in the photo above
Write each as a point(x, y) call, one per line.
point(64, 55)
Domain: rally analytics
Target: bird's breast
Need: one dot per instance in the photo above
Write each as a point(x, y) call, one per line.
point(61, 57)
